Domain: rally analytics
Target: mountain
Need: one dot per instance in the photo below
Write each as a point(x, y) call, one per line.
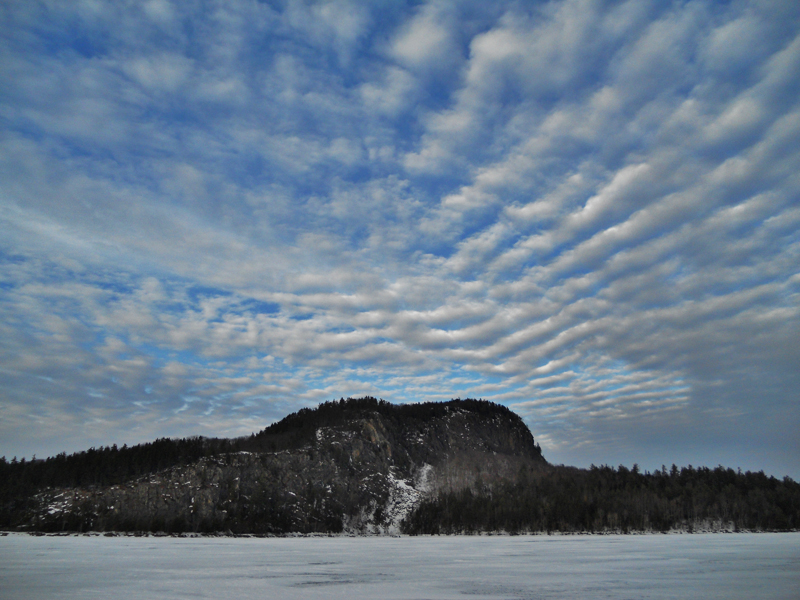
point(367, 466)
point(356, 465)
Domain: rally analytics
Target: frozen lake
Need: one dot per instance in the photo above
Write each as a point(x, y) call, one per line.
point(708, 566)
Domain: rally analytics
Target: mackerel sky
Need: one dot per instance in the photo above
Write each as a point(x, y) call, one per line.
point(215, 213)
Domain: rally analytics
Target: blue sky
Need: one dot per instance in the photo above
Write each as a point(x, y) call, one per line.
point(215, 213)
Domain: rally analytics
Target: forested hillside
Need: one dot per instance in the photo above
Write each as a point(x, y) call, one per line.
point(357, 465)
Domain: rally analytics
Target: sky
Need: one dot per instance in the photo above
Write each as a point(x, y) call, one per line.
point(215, 213)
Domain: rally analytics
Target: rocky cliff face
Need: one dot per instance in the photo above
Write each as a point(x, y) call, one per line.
point(356, 465)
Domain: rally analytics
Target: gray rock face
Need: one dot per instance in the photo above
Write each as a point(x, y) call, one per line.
point(356, 466)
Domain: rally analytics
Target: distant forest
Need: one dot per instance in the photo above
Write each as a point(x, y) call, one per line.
point(567, 499)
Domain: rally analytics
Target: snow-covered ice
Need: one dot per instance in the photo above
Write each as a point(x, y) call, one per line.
point(710, 566)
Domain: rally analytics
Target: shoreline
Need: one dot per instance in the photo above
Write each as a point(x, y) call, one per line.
point(192, 535)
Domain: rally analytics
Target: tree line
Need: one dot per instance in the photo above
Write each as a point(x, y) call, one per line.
point(603, 499)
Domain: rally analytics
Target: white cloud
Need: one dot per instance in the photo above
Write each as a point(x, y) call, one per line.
point(336, 24)
point(428, 42)
point(166, 72)
point(160, 11)
point(391, 96)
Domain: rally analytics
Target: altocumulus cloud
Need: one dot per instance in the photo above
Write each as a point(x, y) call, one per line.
point(215, 213)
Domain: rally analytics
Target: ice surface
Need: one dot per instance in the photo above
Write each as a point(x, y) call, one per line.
point(710, 566)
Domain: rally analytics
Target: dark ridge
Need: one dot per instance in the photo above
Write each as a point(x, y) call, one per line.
point(315, 470)
point(107, 466)
point(112, 465)
point(336, 412)
point(299, 428)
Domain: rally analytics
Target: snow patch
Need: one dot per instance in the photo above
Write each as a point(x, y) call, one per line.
point(404, 498)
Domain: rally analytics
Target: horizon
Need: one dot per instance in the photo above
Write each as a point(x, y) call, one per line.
point(213, 215)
